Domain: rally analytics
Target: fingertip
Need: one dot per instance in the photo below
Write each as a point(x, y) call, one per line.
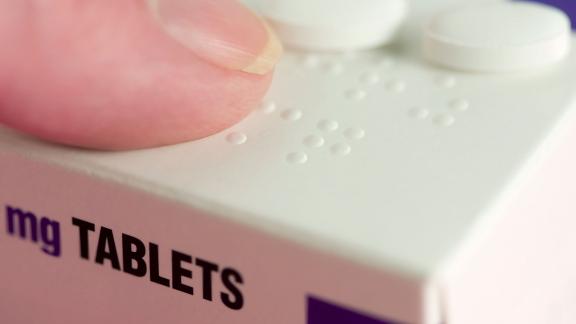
point(138, 89)
point(224, 32)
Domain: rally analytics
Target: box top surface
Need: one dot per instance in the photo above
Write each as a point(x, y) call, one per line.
point(377, 156)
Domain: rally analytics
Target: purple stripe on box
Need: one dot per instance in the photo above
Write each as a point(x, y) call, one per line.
point(322, 312)
point(569, 6)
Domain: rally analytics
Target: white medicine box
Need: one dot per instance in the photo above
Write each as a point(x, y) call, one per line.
point(369, 188)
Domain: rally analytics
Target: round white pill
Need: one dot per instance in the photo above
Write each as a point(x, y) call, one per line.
point(498, 37)
point(334, 25)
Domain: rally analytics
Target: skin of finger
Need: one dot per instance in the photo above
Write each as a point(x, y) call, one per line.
point(222, 37)
point(102, 74)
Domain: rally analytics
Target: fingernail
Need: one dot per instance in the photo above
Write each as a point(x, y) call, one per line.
point(223, 32)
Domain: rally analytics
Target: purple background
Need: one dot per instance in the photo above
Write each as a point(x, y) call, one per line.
point(569, 6)
point(321, 312)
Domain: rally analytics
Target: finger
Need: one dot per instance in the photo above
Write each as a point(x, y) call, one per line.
point(130, 74)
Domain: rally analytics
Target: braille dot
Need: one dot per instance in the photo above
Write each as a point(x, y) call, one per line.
point(349, 55)
point(292, 114)
point(459, 105)
point(396, 86)
point(237, 138)
point(328, 125)
point(418, 113)
point(341, 149)
point(314, 141)
point(268, 107)
point(311, 61)
point(444, 120)
point(297, 157)
point(356, 94)
point(370, 78)
point(355, 133)
point(385, 62)
point(334, 68)
point(446, 82)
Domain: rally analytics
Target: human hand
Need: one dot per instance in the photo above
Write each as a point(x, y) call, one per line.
point(126, 74)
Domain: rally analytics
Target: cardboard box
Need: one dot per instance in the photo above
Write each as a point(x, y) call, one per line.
point(428, 196)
